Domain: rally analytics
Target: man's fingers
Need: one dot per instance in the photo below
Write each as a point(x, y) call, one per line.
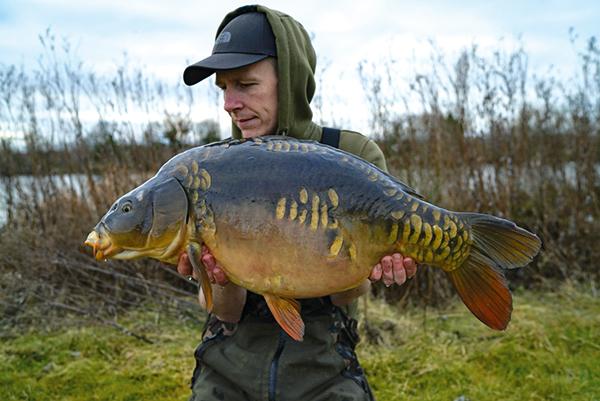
point(376, 273)
point(216, 275)
point(204, 250)
point(184, 267)
point(208, 260)
point(220, 277)
point(398, 269)
point(394, 269)
point(388, 273)
point(213, 271)
point(410, 266)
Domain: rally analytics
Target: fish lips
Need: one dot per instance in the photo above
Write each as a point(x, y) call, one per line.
point(101, 244)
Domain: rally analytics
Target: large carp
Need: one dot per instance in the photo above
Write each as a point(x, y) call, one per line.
point(295, 219)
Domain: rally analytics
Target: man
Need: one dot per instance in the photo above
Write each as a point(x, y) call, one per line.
point(264, 64)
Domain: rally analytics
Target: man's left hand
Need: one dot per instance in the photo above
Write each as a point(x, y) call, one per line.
point(394, 269)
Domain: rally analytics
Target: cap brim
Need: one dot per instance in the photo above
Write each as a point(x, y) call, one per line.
point(218, 61)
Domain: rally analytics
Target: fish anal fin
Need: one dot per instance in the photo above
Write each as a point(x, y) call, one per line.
point(286, 312)
point(200, 271)
point(484, 291)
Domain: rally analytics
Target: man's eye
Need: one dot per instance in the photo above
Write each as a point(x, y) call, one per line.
point(246, 84)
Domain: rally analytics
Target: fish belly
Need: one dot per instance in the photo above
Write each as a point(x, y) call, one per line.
point(285, 257)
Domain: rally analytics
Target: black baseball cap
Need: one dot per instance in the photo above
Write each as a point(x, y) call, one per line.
point(246, 39)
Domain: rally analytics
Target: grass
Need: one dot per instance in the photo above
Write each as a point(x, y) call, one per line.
point(100, 363)
point(551, 351)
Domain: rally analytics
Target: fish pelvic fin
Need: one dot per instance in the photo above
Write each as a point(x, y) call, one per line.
point(496, 244)
point(194, 256)
point(286, 312)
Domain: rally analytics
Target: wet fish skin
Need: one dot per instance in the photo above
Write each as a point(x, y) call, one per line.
point(295, 219)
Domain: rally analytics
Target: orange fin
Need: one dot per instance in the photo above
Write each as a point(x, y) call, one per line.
point(287, 313)
point(201, 274)
point(484, 291)
point(496, 244)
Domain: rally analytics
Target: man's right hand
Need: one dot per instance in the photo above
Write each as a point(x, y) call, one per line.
point(228, 298)
point(215, 273)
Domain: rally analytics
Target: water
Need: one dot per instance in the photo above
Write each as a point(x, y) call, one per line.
point(27, 186)
point(530, 179)
point(77, 183)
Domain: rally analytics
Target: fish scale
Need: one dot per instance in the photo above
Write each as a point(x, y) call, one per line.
point(295, 219)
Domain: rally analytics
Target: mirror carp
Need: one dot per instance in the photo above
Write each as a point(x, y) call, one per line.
point(291, 219)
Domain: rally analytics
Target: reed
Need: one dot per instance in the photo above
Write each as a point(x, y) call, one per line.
point(478, 133)
point(485, 134)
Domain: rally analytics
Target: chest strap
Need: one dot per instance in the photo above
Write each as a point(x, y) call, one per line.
point(331, 137)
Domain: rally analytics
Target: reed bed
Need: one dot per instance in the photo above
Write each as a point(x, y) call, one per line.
point(477, 133)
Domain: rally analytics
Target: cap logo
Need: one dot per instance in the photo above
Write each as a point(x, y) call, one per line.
point(224, 37)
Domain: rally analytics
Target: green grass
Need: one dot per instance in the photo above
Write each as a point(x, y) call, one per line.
point(100, 363)
point(551, 351)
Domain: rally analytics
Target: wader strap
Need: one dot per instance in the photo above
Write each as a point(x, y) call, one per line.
point(331, 137)
point(256, 306)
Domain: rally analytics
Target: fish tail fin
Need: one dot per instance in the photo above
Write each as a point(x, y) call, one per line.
point(496, 244)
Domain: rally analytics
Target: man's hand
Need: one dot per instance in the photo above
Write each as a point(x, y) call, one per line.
point(393, 269)
point(216, 275)
point(228, 298)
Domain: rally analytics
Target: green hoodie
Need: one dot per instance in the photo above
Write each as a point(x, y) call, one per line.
point(254, 360)
point(296, 61)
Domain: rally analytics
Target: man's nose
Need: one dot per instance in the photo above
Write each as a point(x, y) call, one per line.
point(232, 101)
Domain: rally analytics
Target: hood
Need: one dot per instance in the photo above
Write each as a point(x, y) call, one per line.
point(296, 61)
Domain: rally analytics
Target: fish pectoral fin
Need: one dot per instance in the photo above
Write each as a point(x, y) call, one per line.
point(194, 256)
point(287, 313)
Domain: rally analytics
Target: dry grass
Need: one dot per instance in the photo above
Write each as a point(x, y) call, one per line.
point(478, 134)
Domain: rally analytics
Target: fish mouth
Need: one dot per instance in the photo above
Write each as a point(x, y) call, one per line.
point(101, 244)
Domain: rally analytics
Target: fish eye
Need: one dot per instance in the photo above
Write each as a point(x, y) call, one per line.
point(126, 208)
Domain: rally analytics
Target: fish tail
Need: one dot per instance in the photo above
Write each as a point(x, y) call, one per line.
point(496, 244)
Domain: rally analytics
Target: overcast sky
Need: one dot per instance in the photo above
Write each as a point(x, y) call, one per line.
point(164, 35)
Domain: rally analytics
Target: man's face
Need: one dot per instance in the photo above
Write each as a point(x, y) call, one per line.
point(250, 95)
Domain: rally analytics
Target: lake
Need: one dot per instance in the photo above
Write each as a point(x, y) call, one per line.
point(78, 183)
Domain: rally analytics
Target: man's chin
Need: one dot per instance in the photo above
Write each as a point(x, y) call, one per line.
point(251, 133)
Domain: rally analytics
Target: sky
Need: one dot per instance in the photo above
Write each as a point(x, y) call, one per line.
point(164, 36)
